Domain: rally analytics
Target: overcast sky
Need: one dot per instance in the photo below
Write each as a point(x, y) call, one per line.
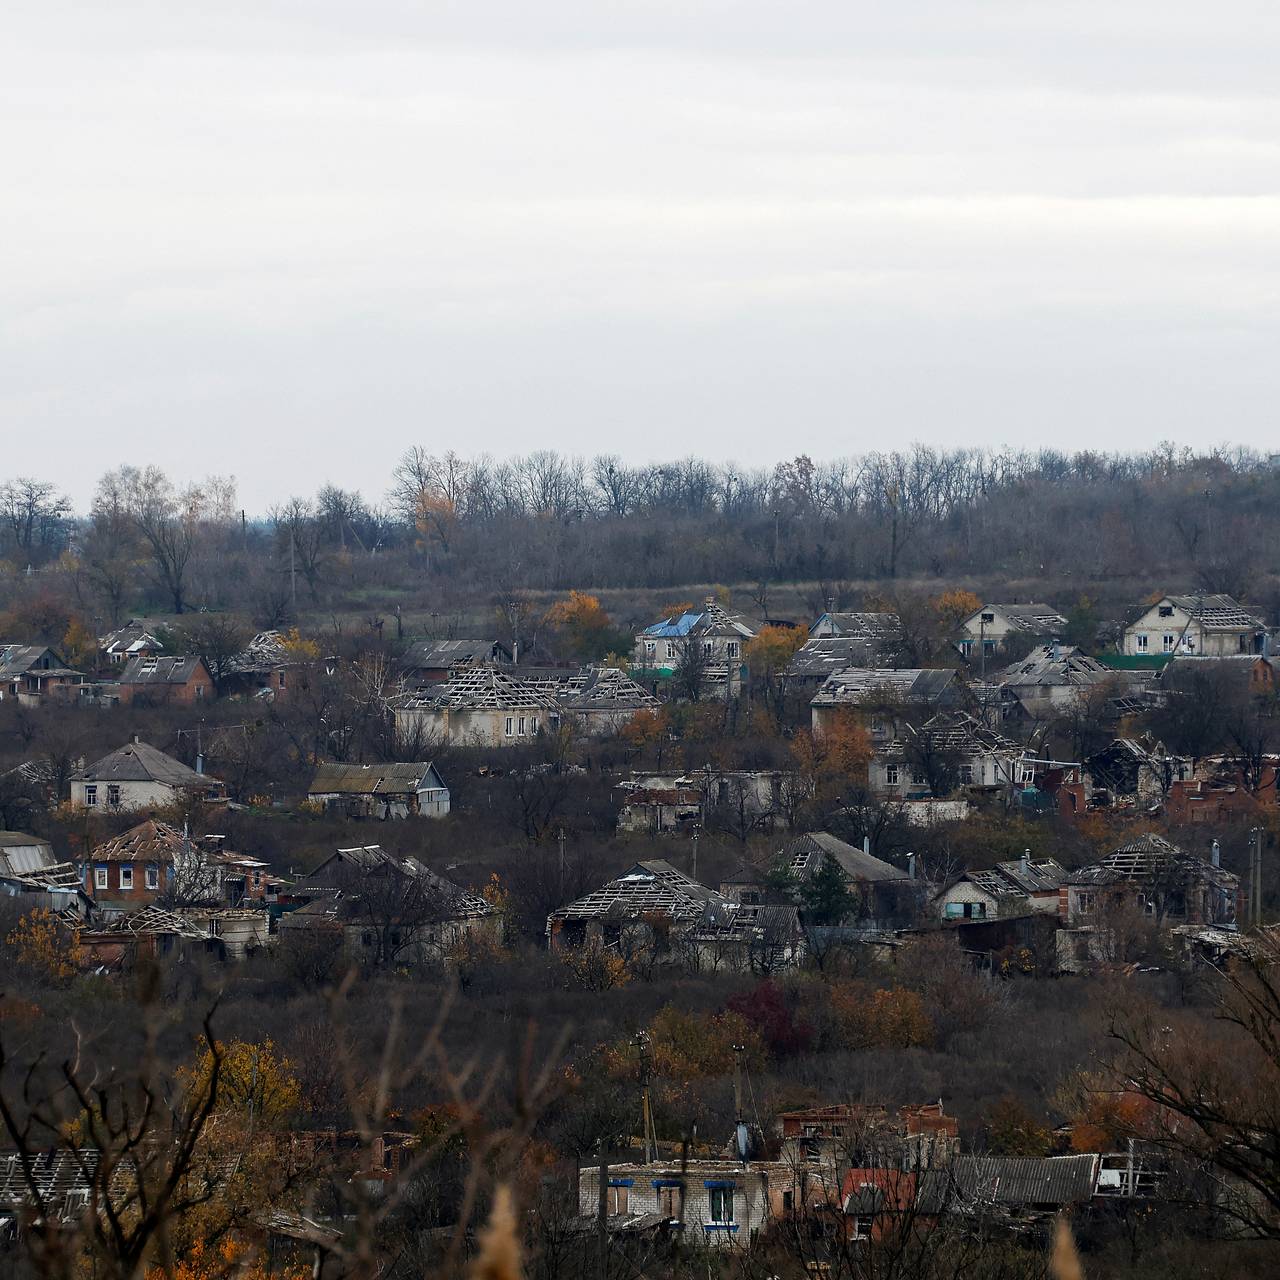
point(289, 239)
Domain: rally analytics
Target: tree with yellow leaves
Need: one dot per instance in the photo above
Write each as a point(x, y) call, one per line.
point(767, 656)
point(256, 1085)
point(297, 648)
point(830, 761)
point(42, 945)
point(586, 628)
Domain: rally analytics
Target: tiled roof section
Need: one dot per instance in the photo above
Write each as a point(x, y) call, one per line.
point(1031, 619)
point(805, 854)
point(957, 732)
point(368, 779)
point(149, 841)
point(599, 688)
point(477, 688)
point(157, 670)
point(141, 762)
point(867, 684)
point(1217, 612)
point(653, 887)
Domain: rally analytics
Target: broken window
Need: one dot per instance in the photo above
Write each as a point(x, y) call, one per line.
point(126, 877)
point(1166, 611)
point(671, 1201)
point(153, 876)
point(720, 1204)
point(618, 1198)
point(1140, 643)
point(1167, 641)
point(100, 877)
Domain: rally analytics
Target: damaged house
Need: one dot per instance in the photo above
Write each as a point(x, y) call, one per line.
point(656, 911)
point(990, 629)
point(1165, 883)
point(880, 634)
point(1056, 679)
point(1008, 889)
point(886, 696)
point(434, 661)
point(741, 800)
point(885, 895)
point(383, 910)
point(949, 753)
point(602, 700)
point(32, 673)
point(380, 790)
point(479, 706)
point(1211, 624)
point(156, 680)
point(719, 639)
point(1135, 772)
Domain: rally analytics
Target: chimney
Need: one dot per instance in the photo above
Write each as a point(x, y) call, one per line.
point(911, 865)
point(1215, 854)
point(199, 763)
point(1026, 861)
point(866, 844)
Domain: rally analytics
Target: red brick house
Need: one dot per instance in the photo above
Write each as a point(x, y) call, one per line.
point(135, 868)
point(183, 680)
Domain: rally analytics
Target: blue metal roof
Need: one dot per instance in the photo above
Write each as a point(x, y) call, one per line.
point(668, 630)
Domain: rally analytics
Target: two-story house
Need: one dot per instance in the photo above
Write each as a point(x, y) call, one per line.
point(718, 638)
point(951, 752)
point(884, 697)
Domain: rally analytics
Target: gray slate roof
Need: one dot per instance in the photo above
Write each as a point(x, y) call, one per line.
point(157, 671)
point(969, 1182)
point(805, 854)
point(373, 779)
point(440, 655)
point(141, 762)
point(866, 684)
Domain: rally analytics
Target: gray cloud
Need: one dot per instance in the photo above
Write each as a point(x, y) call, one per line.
point(312, 234)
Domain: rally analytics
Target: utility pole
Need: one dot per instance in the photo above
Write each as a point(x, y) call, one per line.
point(293, 576)
point(1255, 878)
point(560, 842)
